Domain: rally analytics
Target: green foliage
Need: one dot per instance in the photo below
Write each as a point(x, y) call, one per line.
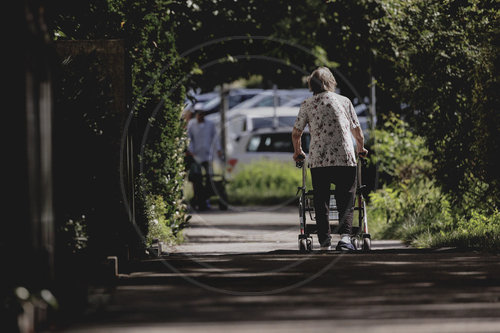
point(155, 65)
point(410, 206)
point(335, 32)
point(400, 155)
point(479, 231)
point(265, 182)
point(73, 234)
point(415, 209)
point(163, 225)
point(410, 211)
point(148, 31)
point(404, 207)
point(441, 58)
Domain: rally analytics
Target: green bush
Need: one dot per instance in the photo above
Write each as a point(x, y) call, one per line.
point(441, 59)
point(149, 30)
point(411, 206)
point(265, 182)
point(163, 225)
point(400, 155)
point(409, 212)
point(479, 231)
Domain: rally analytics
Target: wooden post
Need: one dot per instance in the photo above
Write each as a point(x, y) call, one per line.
point(373, 101)
point(275, 105)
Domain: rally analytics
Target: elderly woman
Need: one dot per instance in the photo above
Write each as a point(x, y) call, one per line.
point(331, 119)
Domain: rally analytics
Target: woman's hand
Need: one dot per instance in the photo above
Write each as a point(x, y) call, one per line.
point(362, 151)
point(297, 154)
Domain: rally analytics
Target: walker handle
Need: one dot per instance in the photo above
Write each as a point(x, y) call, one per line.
point(300, 163)
point(362, 158)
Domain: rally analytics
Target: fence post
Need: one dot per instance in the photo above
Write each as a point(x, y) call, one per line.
point(224, 106)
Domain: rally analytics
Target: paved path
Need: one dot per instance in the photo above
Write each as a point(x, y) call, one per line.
point(241, 272)
point(249, 230)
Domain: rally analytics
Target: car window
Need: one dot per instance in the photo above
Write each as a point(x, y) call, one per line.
point(267, 122)
point(262, 122)
point(266, 101)
point(253, 144)
point(237, 99)
point(295, 102)
point(287, 121)
point(276, 143)
point(285, 99)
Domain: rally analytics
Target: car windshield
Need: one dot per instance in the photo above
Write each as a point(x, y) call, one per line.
point(296, 101)
point(267, 99)
point(276, 143)
point(213, 104)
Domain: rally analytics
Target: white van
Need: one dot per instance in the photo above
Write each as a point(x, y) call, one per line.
point(242, 121)
point(266, 143)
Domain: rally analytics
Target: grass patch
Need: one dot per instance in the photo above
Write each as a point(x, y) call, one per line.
point(409, 212)
point(265, 182)
point(477, 231)
point(412, 207)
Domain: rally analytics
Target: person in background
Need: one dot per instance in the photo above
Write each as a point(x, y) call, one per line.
point(202, 142)
point(187, 114)
point(332, 120)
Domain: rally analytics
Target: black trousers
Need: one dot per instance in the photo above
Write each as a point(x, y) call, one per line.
point(204, 186)
point(344, 178)
point(201, 186)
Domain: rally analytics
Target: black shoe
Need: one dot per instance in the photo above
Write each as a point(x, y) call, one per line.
point(343, 246)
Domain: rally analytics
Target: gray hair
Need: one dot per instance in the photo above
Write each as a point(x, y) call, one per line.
point(321, 79)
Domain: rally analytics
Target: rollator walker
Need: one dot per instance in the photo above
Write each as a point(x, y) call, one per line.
point(360, 236)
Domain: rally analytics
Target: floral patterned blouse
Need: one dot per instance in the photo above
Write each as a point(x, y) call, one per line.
point(330, 117)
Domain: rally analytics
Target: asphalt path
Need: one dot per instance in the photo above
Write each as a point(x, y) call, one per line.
point(240, 271)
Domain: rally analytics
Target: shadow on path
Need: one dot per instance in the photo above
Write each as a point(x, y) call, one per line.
point(385, 286)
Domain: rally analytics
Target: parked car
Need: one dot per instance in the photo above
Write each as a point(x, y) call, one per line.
point(297, 100)
point(360, 108)
point(239, 122)
point(267, 98)
point(236, 96)
point(266, 143)
point(198, 98)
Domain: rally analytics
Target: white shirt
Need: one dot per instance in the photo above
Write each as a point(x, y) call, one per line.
point(330, 117)
point(203, 141)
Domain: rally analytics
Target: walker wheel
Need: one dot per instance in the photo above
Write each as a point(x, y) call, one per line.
point(305, 245)
point(367, 244)
point(356, 242)
point(309, 244)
